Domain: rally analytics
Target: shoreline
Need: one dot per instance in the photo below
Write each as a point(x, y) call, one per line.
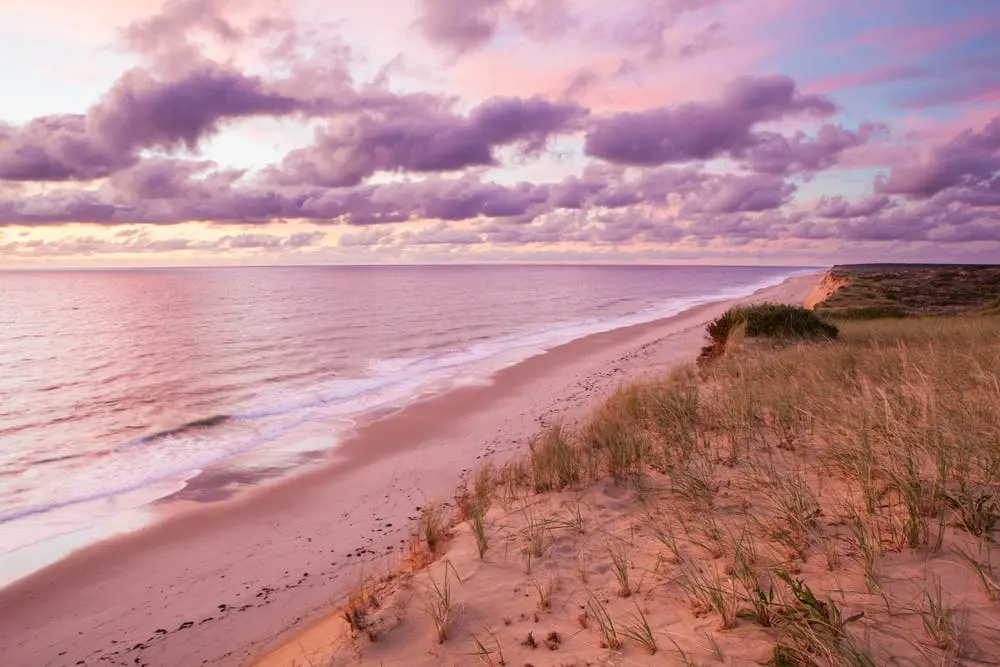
point(257, 568)
point(47, 534)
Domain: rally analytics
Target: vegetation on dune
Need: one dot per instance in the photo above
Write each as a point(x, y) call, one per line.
point(764, 320)
point(838, 503)
point(901, 290)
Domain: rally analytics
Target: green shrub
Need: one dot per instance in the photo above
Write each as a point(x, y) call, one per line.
point(765, 320)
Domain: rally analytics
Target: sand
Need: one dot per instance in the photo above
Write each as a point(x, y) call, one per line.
point(827, 286)
point(228, 582)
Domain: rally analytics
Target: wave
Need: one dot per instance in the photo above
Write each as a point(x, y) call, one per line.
point(206, 422)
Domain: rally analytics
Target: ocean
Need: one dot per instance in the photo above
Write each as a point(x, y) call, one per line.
point(118, 387)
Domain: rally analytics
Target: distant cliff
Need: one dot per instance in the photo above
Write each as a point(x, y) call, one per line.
point(828, 285)
point(867, 291)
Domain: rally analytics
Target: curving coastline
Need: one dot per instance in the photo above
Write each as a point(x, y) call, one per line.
point(222, 583)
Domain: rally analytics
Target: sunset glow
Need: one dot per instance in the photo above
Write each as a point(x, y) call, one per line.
point(217, 132)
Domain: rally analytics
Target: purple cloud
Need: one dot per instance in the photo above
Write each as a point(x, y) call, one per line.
point(139, 112)
point(460, 25)
point(838, 207)
point(701, 131)
point(645, 33)
point(735, 194)
point(56, 148)
point(970, 160)
point(773, 153)
point(542, 20)
point(166, 33)
point(424, 140)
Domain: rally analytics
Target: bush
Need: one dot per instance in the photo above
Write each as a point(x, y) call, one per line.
point(765, 320)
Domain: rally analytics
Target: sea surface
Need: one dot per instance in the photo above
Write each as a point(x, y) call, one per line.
point(119, 387)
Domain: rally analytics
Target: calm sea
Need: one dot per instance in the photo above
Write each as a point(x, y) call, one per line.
point(117, 387)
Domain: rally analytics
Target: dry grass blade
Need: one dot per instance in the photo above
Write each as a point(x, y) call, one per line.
point(637, 629)
point(941, 622)
point(609, 635)
point(489, 655)
point(707, 592)
point(433, 528)
point(478, 524)
point(439, 602)
point(620, 566)
point(555, 463)
point(984, 571)
point(663, 530)
point(545, 591)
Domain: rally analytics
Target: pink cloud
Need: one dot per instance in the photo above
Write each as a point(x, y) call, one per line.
point(867, 77)
point(915, 40)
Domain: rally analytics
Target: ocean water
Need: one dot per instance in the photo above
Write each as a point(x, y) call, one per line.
point(119, 387)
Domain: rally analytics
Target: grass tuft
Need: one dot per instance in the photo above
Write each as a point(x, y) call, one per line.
point(439, 603)
point(637, 629)
point(555, 463)
point(620, 566)
point(609, 635)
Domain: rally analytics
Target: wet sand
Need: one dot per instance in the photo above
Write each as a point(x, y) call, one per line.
point(221, 583)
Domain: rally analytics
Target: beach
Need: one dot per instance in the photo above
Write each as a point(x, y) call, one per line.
point(225, 582)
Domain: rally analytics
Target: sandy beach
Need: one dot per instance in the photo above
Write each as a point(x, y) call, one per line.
point(224, 583)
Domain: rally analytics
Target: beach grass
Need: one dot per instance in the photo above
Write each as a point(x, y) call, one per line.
point(833, 497)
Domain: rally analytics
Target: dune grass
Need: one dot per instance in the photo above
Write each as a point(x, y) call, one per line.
point(780, 476)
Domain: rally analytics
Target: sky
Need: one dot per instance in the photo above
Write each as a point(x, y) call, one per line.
point(258, 132)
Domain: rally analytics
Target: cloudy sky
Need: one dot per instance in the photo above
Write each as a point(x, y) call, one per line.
point(187, 132)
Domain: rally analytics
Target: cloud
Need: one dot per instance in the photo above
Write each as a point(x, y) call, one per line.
point(704, 40)
point(970, 160)
point(166, 35)
point(56, 148)
point(254, 241)
point(424, 140)
point(139, 112)
point(698, 130)
point(735, 194)
point(461, 26)
point(646, 32)
point(773, 153)
point(871, 76)
point(542, 20)
point(137, 241)
point(838, 207)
